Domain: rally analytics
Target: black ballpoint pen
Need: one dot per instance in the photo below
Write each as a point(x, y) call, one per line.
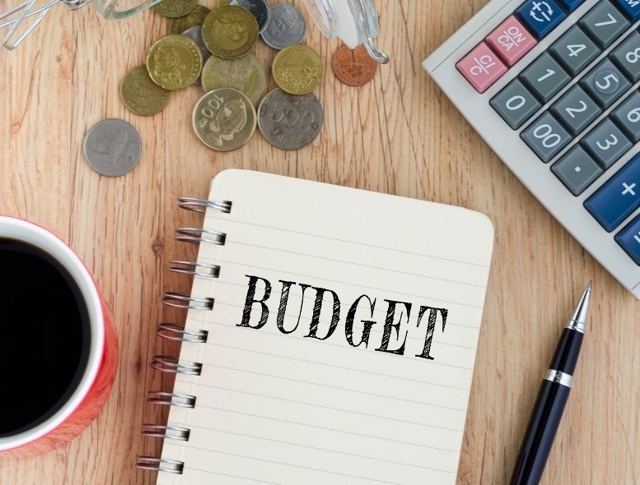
point(552, 398)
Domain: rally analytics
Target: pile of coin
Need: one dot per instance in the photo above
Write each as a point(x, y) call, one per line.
point(213, 48)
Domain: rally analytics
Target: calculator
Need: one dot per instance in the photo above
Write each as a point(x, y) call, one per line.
point(553, 87)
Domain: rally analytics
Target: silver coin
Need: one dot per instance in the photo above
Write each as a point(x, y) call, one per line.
point(286, 26)
point(112, 147)
point(258, 8)
point(195, 34)
point(290, 122)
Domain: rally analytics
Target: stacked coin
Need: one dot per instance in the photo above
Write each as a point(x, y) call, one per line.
point(215, 46)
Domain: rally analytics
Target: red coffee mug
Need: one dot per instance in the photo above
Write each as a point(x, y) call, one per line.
point(94, 377)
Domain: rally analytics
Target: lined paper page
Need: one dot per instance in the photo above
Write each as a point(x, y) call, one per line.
point(326, 359)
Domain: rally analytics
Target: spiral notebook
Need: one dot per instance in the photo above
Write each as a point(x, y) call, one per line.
point(330, 338)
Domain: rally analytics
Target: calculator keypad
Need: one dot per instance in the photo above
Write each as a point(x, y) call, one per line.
point(541, 17)
point(511, 41)
point(606, 143)
point(515, 104)
point(604, 23)
point(627, 56)
point(546, 137)
point(627, 117)
point(618, 198)
point(576, 109)
point(605, 83)
point(631, 8)
point(566, 132)
point(481, 67)
point(545, 78)
point(574, 50)
point(576, 170)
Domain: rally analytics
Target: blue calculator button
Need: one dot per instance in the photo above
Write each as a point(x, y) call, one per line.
point(571, 5)
point(629, 239)
point(541, 16)
point(618, 197)
point(631, 8)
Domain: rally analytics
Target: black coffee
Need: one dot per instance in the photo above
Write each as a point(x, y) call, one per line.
point(44, 336)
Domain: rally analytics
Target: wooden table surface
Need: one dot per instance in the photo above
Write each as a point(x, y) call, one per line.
point(398, 135)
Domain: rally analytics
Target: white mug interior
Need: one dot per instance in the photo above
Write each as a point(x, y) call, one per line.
point(18, 229)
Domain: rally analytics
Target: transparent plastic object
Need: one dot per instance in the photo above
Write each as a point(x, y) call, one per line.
point(23, 18)
point(353, 21)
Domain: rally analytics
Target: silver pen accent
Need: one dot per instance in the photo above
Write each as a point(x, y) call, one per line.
point(559, 377)
point(578, 321)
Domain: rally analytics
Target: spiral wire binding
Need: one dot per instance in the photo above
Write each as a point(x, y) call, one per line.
point(156, 464)
point(163, 398)
point(171, 331)
point(192, 268)
point(178, 433)
point(174, 332)
point(201, 205)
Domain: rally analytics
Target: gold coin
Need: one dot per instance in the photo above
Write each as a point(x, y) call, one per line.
point(246, 74)
point(174, 62)
point(297, 69)
point(175, 8)
point(230, 31)
point(224, 119)
point(192, 19)
point(141, 95)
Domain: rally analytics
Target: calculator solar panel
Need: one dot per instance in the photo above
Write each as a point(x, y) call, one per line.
point(553, 87)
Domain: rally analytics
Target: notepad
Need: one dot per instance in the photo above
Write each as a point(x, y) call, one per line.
point(340, 339)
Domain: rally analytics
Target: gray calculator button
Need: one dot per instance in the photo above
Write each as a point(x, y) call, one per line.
point(576, 109)
point(515, 104)
point(627, 116)
point(545, 77)
point(605, 83)
point(606, 143)
point(574, 50)
point(627, 56)
point(546, 137)
point(604, 23)
point(576, 170)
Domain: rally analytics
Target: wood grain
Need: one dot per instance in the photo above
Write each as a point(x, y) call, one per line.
point(399, 134)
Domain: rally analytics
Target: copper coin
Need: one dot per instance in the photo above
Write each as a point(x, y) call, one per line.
point(354, 66)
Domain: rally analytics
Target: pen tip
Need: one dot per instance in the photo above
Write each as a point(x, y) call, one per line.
point(579, 319)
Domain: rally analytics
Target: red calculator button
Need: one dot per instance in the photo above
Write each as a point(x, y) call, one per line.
point(481, 67)
point(511, 41)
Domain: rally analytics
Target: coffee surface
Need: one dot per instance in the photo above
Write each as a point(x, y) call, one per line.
point(44, 336)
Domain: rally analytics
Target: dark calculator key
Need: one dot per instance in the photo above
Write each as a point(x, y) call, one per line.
point(545, 77)
point(576, 109)
point(575, 50)
point(627, 116)
point(618, 198)
point(576, 170)
point(627, 56)
point(546, 137)
point(605, 83)
point(515, 104)
point(606, 143)
point(604, 23)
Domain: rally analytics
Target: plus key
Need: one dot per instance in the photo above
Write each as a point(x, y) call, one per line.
point(618, 198)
